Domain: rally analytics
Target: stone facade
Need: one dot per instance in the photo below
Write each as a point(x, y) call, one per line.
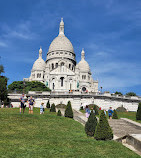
point(61, 72)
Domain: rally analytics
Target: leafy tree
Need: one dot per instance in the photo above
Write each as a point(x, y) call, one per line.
point(1, 69)
point(103, 130)
point(131, 94)
point(68, 111)
point(53, 109)
point(119, 93)
point(59, 113)
point(19, 86)
point(3, 88)
point(48, 105)
point(115, 116)
point(138, 114)
point(90, 125)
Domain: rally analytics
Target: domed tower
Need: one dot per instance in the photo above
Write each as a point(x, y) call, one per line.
point(37, 72)
point(61, 48)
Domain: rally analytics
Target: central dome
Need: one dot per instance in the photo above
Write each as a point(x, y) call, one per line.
point(61, 42)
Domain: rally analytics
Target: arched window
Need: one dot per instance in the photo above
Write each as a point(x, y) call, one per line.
point(52, 66)
point(56, 65)
point(83, 77)
point(62, 81)
point(38, 75)
point(69, 66)
point(62, 64)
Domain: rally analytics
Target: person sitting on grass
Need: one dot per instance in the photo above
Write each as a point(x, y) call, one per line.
point(42, 108)
point(110, 113)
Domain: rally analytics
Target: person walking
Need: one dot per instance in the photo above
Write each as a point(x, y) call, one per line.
point(31, 103)
point(110, 113)
point(87, 110)
point(22, 100)
point(42, 108)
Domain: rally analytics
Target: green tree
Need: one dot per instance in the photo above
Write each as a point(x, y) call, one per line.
point(103, 130)
point(48, 105)
point(138, 114)
point(68, 111)
point(1, 69)
point(59, 113)
point(119, 93)
point(115, 116)
point(131, 94)
point(90, 125)
point(53, 109)
point(19, 86)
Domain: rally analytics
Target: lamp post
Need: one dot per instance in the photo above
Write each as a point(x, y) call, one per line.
point(101, 90)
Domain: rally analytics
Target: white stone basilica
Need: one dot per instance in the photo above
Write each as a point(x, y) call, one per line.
point(60, 72)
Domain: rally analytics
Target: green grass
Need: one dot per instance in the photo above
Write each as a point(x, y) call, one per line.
point(48, 135)
point(129, 115)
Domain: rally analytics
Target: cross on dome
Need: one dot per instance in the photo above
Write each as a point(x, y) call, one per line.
point(40, 52)
point(82, 54)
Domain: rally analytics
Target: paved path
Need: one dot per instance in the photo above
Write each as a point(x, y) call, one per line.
point(120, 127)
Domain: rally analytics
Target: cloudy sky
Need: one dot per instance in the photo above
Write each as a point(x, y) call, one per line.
point(108, 30)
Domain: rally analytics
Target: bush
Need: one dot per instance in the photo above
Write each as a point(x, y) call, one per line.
point(81, 108)
point(68, 111)
point(115, 116)
point(61, 106)
point(138, 114)
point(52, 109)
point(48, 105)
point(121, 109)
point(103, 130)
point(59, 113)
point(90, 125)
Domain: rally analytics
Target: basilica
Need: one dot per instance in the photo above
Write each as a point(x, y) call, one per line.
point(60, 71)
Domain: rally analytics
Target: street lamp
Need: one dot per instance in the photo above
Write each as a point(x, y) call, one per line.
point(101, 90)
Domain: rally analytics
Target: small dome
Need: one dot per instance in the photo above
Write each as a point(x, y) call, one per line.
point(61, 42)
point(39, 64)
point(84, 66)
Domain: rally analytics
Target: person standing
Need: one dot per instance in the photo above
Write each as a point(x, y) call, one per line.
point(31, 104)
point(42, 108)
point(110, 113)
point(87, 110)
point(22, 100)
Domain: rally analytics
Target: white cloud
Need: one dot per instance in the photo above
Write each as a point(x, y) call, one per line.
point(3, 44)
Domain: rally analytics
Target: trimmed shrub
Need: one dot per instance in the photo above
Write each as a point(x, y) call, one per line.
point(90, 125)
point(138, 114)
point(61, 106)
point(103, 130)
point(68, 111)
point(48, 105)
point(59, 113)
point(121, 109)
point(95, 107)
point(52, 109)
point(115, 116)
point(81, 108)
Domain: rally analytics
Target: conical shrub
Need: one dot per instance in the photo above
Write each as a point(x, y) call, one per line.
point(103, 130)
point(115, 116)
point(68, 111)
point(96, 109)
point(138, 114)
point(59, 113)
point(90, 125)
point(48, 105)
point(52, 109)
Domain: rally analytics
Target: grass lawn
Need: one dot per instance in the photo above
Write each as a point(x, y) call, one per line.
point(129, 115)
point(48, 135)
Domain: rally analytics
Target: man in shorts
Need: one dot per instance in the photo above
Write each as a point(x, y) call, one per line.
point(22, 100)
point(31, 104)
point(110, 113)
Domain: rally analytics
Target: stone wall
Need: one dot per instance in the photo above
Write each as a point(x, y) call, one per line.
point(77, 99)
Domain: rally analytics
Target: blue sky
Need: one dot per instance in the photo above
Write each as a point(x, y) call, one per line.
point(108, 30)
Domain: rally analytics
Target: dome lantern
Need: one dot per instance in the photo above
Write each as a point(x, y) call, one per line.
point(40, 52)
point(61, 28)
